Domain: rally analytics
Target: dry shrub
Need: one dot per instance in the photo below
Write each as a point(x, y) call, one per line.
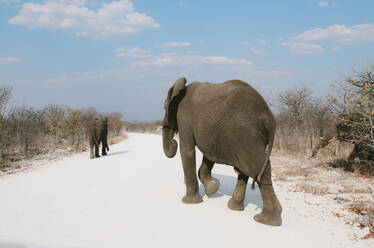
point(312, 189)
point(365, 212)
point(369, 236)
point(143, 127)
point(341, 163)
point(285, 173)
point(26, 132)
point(117, 139)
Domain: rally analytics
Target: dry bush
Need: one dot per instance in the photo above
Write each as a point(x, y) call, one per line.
point(339, 132)
point(303, 122)
point(117, 139)
point(353, 104)
point(115, 124)
point(143, 127)
point(314, 189)
point(287, 173)
point(26, 132)
point(365, 212)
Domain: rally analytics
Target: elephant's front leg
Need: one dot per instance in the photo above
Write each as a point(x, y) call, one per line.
point(237, 199)
point(211, 184)
point(189, 169)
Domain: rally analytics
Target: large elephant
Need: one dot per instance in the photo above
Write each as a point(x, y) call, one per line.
point(98, 132)
point(231, 124)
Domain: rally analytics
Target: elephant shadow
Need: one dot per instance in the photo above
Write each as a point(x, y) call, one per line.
point(116, 153)
point(21, 245)
point(227, 186)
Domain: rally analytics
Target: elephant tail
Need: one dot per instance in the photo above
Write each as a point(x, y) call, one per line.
point(96, 141)
point(267, 159)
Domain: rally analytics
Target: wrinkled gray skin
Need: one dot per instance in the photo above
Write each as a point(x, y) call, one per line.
point(98, 132)
point(231, 124)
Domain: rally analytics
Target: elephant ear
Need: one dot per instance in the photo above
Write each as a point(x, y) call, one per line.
point(175, 94)
point(178, 87)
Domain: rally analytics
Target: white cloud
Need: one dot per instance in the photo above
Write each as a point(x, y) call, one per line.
point(9, 60)
point(10, 1)
point(245, 43)
point(133, 53)
point(225, 60)
point(257, 47)
point(176, 44)
point(323, 4)
point(261, 42)
point(201, 42)
point(257, 50)
point(113, 18)
point(160, 63)
point(175, 59)
point(303, 48)
point(336, 35)
point(362, 33)
point(274, 73)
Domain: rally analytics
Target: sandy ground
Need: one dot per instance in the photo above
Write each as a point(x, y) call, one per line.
point(132, 198)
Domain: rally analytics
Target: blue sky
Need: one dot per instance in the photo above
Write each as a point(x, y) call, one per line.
point(122, 56)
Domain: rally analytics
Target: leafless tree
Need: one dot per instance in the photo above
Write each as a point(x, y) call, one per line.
point(115, 123)
point(5, 96)
point(296, 101)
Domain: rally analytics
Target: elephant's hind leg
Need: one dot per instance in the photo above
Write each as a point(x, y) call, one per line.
point(91, 149)
point(237, 199)
point(103, 149)
point(272, 209)
point(97, 155)
point(210, 183)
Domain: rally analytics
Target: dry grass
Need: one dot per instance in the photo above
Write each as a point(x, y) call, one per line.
point(20, 162)
point(365, 213)
point(311, 189)
point(351, 192)
point(117, 139)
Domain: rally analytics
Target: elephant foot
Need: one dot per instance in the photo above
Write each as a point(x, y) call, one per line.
point(270, 219)
point(211, 186)
point(97, 156)
point(92, 156)
point(232, 204)
point(104, 154)
point(187, 199)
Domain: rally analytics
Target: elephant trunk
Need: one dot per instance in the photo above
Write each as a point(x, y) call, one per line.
point(170, 145)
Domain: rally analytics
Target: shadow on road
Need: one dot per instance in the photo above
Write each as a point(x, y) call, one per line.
point(227, 186)
point(116, 153)
point(24, 245)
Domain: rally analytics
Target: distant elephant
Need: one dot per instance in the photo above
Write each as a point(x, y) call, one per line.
point(98, 132)
point(231, 124)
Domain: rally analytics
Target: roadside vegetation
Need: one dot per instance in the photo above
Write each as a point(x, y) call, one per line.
point(26, 132)
point(143, 127)
point(338, 129)
point(324, 147)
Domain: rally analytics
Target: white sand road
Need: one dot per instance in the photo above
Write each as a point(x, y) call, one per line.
point(132, 198)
